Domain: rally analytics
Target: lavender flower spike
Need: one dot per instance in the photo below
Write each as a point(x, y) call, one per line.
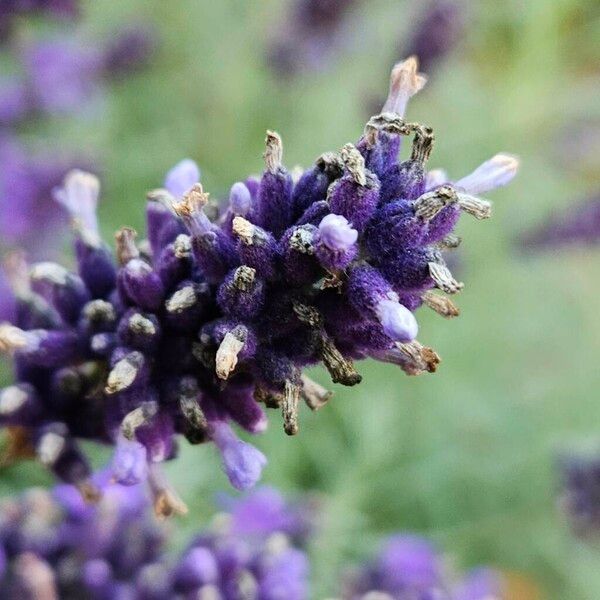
point(53, 545)
point(409, 566)
point(215, 319)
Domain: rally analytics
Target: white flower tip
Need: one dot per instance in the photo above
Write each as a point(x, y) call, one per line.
point(493, 173)
point(405, 81)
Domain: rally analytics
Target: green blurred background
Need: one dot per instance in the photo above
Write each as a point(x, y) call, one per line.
point(467, 455)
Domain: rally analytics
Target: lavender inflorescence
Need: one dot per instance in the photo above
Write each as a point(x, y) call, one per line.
point(409, 567)
point(207, 320)
point(54, 545)
point(580, 498)
point(579, 225)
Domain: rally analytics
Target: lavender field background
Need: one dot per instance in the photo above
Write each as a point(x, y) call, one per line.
point(466, 456)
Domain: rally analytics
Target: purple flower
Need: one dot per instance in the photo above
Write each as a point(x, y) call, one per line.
point(305, 40)
point(438, 31)
point(410, 567)
point(62, 74)
point(56, 545)
point(28, 215)
point(580, 497)
point(217, 316)
point(129, 50)
point(578, 225)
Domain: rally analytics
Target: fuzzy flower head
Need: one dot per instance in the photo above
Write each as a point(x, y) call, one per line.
point(409, 567)
point(214, 319)
point(55, 545)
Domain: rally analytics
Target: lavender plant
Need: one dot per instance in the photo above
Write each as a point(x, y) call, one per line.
point(54, 545)
point(577, 225)
point(410, 568)
point(209, 320)
point(305, 40)
point(580, 498)
point(440, 28)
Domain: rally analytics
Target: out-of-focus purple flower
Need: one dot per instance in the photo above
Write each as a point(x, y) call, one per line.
point(439, 29)
point(214, 319)
point(28, 215)
point(10, 10)
point(580, 497)
point(578, 225)
point(62, 74)
point(307, 37)
point(410, 567)
point(129, 50)
point(55, 545)
point(13, 101)
point(265, 511)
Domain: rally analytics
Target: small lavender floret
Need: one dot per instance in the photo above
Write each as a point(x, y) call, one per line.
point(216, 317)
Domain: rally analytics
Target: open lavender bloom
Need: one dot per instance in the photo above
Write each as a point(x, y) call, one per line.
point(580, 497)
point(410, 568)
point(579, 225)
point(54, 545)
point(209, 320)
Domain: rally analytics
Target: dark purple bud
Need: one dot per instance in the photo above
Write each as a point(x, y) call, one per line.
point(407, 180)
point(175, 261)
point(257, 248)
point(65, 291)
point(40, 347)
point(188, 305)
point(243, 409)
point(314, 214)
point(242, 294)
point(138, 282)
point(297, 247)
point(140, 331)
point(212, 247)
point(57, 451)
point(356, 194)
point(19, 405)
point(97, 316)
point(162, 225)
point(275, 192)
point(314, 183)
point(129, 371)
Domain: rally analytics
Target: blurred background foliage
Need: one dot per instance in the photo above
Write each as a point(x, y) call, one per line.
point(466, 456)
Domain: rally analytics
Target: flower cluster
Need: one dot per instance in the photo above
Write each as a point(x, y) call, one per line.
point(410, 568)
point(580, 498)
point(53, 545)
point(579, 225)
point(210, 318)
